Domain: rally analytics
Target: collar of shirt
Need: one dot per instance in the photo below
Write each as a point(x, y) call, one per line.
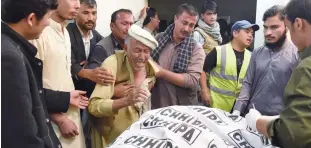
point(90, 33)
point(59, 27)
point(115, 42)
point(305, 53)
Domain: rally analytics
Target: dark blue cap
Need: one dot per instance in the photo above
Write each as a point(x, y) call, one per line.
point(244, 24)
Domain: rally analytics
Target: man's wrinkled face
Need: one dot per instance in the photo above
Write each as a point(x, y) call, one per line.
point(209, 17)
point(122, 24)
point(86, 18)
point(184, 25)
point(138, 54)
point(274, 30)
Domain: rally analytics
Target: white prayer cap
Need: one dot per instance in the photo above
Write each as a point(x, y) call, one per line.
point(143, 36)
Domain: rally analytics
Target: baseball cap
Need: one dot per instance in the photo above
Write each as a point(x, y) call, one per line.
point(244, 24)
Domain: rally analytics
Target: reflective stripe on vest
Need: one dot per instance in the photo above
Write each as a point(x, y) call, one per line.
point(224, 84)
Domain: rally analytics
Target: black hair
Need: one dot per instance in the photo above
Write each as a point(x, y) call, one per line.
point(298, 9)
point(187, 8)
point(14, 11)
point(115, 14)
point(273, 11)
point(151, 13)
point(209, 5)
point(89, 3)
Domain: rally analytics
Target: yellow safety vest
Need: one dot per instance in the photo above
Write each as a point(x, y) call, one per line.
point(224, 84)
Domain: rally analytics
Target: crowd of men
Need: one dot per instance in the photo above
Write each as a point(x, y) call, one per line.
point(76, 89)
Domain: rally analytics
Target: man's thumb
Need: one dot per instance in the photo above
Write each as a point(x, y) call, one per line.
point(80, 92)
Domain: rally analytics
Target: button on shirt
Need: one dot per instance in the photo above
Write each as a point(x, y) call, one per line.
point(86, 41)
point(266, 78)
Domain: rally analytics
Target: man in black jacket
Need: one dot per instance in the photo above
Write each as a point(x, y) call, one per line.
point(25, 103)
point(84, 37)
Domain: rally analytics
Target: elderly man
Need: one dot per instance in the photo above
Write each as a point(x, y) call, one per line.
point(111, 116)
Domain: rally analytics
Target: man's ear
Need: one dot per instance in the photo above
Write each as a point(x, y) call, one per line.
point(298, 25)
point(31, 19)
point(304, 25)
point(202, 15)
point(175, 17)
point(235, 33)
point(112, 26)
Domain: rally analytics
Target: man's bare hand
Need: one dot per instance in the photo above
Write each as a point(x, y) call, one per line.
point(122, 89)
point(98, 75)
point(157, 68)
point(143, 13)
point(68, 128)
point(206, 97)
point(136, 95)
point(78, 99)
point(150, 85)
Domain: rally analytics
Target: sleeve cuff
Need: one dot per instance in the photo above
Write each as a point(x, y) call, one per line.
point(140, 22)
point(272, 133)
point(75, 70)
point(187, 81)
point(106, 108)
point(239, 106)
point(65, 97)
point(270, 128)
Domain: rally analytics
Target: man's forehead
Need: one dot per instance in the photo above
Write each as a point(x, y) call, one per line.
point(86, 7)
point(210, 11)
point(273, 20)
point(247, 29)
point(187, 17)
point(125, 16)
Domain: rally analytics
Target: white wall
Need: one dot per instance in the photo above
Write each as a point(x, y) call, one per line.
point(106, 7)
point(262, 6)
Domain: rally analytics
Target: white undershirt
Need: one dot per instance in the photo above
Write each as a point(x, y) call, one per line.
point(86, 42)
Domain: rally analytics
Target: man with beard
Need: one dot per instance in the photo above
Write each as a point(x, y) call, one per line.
point(292, 128)
point(270, 68)
point(181, 60)
point(83, 38)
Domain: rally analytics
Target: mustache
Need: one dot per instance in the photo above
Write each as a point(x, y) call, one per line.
point(90, 22)
point(185, 32)
point(139, 60)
